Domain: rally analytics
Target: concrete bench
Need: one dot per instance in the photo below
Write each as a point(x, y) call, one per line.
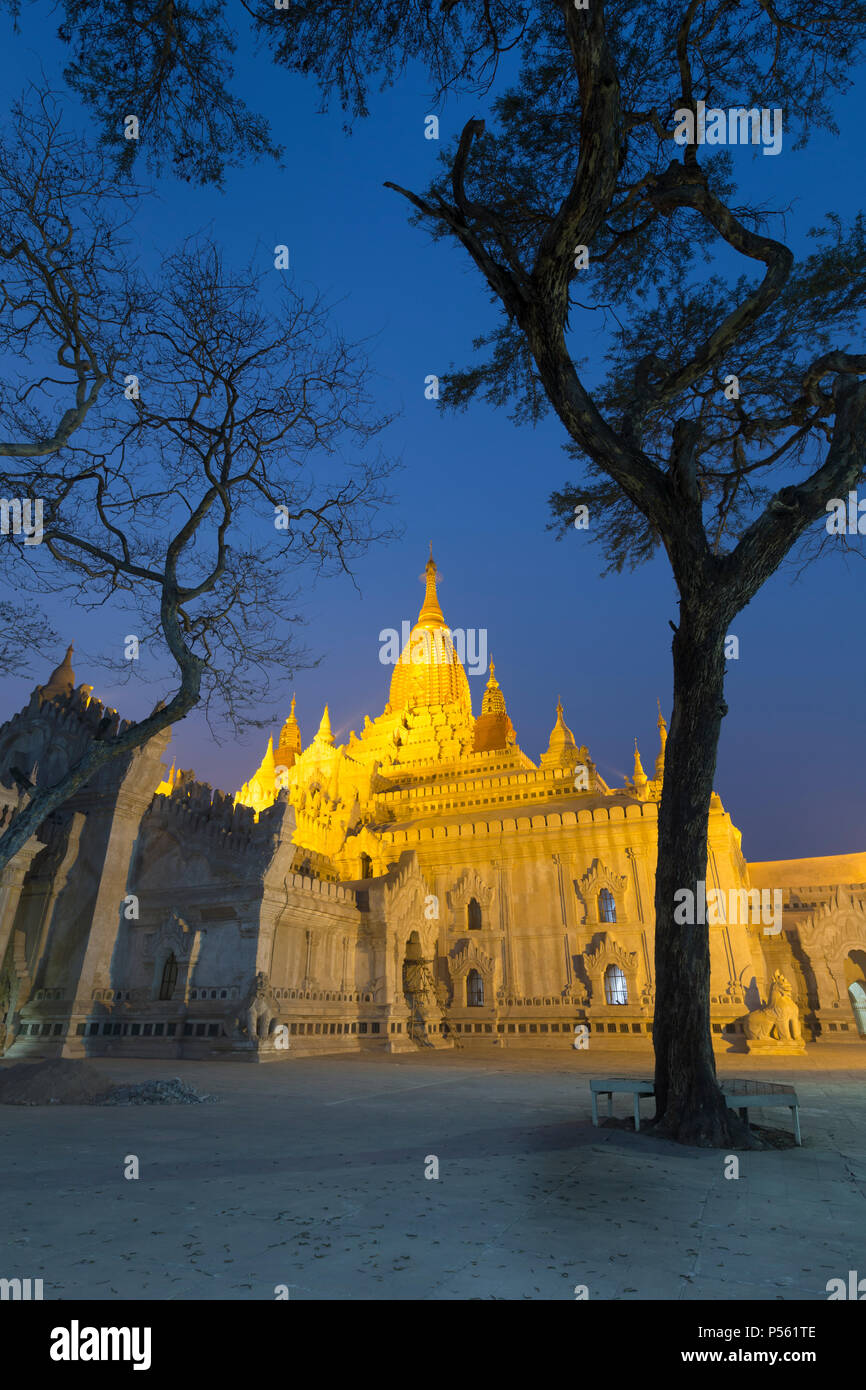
point(617, 1084)
point(743, 1095)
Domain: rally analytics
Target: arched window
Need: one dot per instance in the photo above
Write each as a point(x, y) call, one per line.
point(169, 977)
point(615, 986)
point(366, 866)
point(473, 915)
point(474, 989)
point(606, 906)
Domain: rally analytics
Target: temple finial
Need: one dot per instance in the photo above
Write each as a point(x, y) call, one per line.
point(640, 777)
point(663, 738)
point(431, 612)
point(561, 748)
point(324, 731)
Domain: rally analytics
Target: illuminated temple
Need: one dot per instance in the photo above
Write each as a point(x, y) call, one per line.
point(425, 884)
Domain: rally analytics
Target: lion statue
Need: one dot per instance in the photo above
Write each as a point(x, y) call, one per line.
point(779, 1020)
point(258, 1010)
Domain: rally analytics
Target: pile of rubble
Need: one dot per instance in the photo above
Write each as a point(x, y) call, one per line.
point(174, 1092)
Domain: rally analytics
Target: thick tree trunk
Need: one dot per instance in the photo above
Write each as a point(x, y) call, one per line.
point(689, 1105)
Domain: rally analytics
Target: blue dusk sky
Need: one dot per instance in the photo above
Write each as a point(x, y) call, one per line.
point(791, 760)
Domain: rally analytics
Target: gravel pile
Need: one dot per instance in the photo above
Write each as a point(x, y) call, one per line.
point(174, 1092)
point(67, 1082)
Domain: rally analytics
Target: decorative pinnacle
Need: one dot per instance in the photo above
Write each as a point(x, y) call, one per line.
point(639, 774)
point(430, 609)
point(325, 727)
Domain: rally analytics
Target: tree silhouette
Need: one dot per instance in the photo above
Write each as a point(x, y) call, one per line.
point(182, 432)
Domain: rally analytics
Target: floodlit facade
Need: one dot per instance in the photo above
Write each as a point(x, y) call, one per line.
point(426, 884)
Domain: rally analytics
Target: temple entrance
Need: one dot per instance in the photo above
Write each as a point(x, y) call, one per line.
point(857, 995)
point(855, 980)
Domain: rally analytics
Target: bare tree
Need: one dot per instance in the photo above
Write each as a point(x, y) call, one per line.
point(24, 631)
point(199, 473)
point(580, 199)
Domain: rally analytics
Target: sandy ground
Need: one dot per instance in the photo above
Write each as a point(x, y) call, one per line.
point(312, 1175)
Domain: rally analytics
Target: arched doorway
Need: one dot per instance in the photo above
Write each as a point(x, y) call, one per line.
point(857, 995)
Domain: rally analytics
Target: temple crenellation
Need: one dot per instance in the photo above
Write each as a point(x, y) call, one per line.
point(424, 884)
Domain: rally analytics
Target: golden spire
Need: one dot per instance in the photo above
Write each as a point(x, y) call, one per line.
point(268, 761)
point(493, 700)
point(560, 732)
point(324, 731)
point(562, 749)
point(429, 671)
point(290, 738)
point(431, 611)
point(493, 729)
point(663, 737)
point(641, 781)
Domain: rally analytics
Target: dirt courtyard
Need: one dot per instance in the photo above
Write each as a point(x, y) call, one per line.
point(319, 1175)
